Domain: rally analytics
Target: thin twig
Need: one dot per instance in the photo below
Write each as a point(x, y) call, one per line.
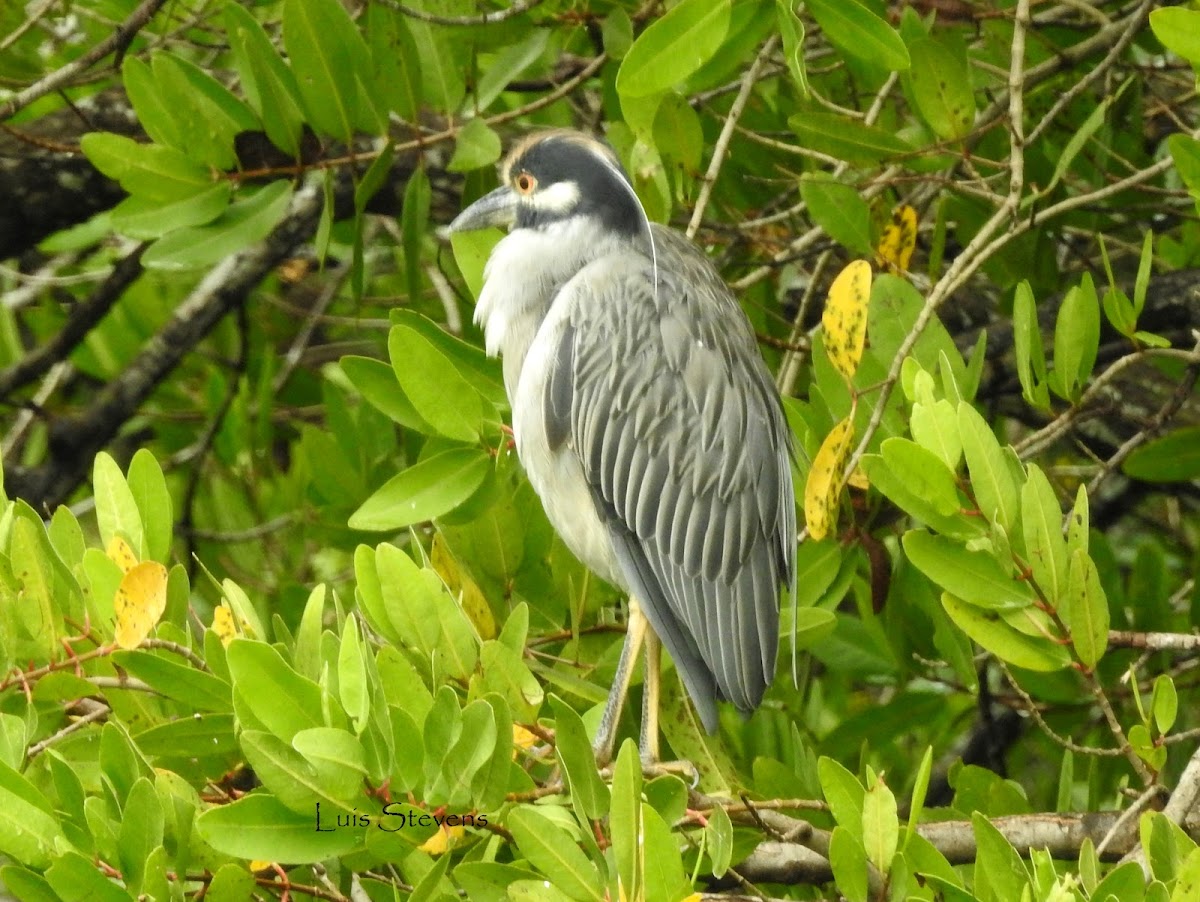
point(117, 41)
point(722, 145)
point(491, 18)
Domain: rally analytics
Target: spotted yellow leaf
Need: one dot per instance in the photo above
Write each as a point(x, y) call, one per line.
point(899, 238)
point(463, 587)
point(845, 317)
point(822, 492)
point(121, 554)
point(440, 842)
point(223, 624)
point(140, 602)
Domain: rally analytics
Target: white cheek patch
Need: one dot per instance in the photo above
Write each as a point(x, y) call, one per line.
point(559, 198)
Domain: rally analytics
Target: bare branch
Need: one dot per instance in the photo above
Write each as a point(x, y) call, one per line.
point(117, 41)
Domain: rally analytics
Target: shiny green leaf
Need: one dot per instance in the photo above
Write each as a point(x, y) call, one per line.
point(424, 491)
point(858, 32)
point(242, 224)
point(673, 47)
point(847, 139)
point(974, 576)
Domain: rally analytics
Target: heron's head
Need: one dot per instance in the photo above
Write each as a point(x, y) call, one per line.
point(555, 176)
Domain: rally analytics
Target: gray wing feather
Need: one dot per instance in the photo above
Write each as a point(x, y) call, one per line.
point(684, 445)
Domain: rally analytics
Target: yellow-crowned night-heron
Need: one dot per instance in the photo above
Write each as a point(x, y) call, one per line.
point(645, 419)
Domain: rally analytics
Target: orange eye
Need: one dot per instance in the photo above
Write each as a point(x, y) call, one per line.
point(525, 183)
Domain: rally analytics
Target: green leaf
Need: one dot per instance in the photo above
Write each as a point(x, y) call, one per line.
point(1027, 341)
point(924, 473)
point(941, 85)
point(1185, 153)
point(935, 426)
point(665, 879)
point(244, 223)
point(847, 139)
point(269, 84)
point(414, 221)
point(720, 841)
point(881, 826)
point(471, 252)
point(839, 209)
point(506, 674)
point(1087, 610)
point(1179, 31)
point(897, 490)
point(154, 114)
point(337, 756)
point(207, 116)
point(195, 688)
point(1175, 457)
point(920, 788)
point(858, 32)
point(149, 490)
point(376, 381)
point(991, 479)
point(578, 761)
point(471, 751)
point(28, 828)
point(997, 864)
point(282, 700)
point(142, 218)
point(1165, 704)
point(425, 491)
point(844, 794)
point(848, 860)
point(974, 576)
point(1076, 339)
point(74, 877)
point(438, 392)
point(140, 833)
point(548, 848)
point(507, 66)
point(791, 30)
point(625, 817)
point(156, 173)
point(116, 508)
point(473, 364)
point(396, 60)
point(1003, 640)
point(476, 146)
point(332, 66)
point(673, 47)
point(352, 676)
point(1041, 525)
point(257, 827)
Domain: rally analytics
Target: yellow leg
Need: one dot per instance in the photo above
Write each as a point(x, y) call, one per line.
point(651, 687)
point(635, 633)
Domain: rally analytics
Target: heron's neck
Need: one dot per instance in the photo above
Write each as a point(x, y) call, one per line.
point(523, 276)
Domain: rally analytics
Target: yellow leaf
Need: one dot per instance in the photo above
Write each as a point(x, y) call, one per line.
point(439, 843)
point(823, 491)
point(523, 738)
point(462, 587)
point(140, 602)
point(121, 554)
point(858, 479)
point(895, 248)
point(845, 317)
point(223, 624)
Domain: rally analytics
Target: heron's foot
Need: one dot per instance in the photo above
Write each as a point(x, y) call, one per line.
point(685, 770)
